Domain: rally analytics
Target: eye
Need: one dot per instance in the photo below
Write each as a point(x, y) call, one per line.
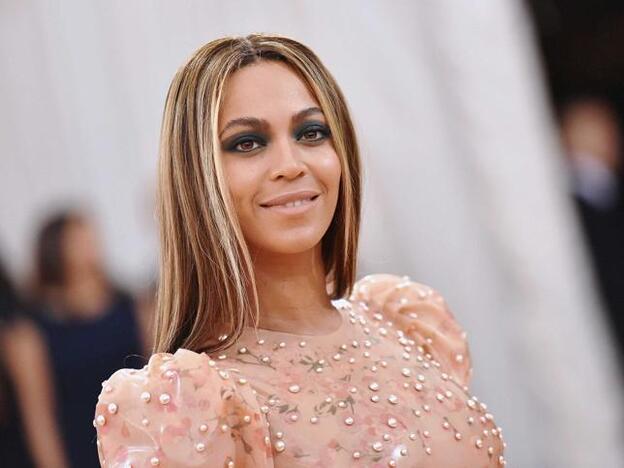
point(314, 133)
point(245, 144)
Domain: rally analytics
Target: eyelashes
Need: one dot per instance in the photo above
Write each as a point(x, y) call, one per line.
point(248, 142)
point(241, 144)
point(322, 130)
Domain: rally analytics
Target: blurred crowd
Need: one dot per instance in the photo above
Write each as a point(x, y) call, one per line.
point(583, 64)
point(62, 333)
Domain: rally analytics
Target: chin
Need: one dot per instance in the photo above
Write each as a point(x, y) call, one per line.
point(293, 247)
point(293, 244)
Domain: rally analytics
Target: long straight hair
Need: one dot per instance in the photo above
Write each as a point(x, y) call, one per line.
point(207, 290)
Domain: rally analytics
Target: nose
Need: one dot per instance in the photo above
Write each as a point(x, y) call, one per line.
point(286, 161)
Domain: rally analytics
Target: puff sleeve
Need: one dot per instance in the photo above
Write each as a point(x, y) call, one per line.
point(180, 411)
point(423, 315)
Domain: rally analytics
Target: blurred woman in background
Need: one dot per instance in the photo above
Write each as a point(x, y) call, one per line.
point(591, 133)
point(76, 312)
point(13, 451)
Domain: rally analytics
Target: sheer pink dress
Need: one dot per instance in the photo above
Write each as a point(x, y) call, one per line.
point(388, 388)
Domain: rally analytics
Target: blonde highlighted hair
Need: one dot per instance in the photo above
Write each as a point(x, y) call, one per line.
point(207, 291)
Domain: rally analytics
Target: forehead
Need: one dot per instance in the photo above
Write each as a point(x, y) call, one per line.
point(266, 90)
point(79, 227)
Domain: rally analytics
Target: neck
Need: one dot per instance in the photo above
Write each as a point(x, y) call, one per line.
point(292, 292)
point(85, 294)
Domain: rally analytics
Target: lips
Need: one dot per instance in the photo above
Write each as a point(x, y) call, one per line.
point(292, 199)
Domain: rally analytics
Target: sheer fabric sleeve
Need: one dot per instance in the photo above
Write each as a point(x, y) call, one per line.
point(180, 411)
point(423, 315)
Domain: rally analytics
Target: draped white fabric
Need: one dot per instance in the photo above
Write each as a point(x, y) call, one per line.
point(464, 187)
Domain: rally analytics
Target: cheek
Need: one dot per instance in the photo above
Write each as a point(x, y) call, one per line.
point(243, 179)
point(329, 171)
point(240, 180)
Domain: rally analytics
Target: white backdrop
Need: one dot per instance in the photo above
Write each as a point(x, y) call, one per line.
point(464, 187)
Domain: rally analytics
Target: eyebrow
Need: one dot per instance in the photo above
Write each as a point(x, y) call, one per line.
point(263, 124)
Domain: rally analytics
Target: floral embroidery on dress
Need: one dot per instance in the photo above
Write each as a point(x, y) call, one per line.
point(388, 388)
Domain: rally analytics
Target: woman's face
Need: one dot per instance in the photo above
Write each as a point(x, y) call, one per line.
point(275, 143)
point(81, 247)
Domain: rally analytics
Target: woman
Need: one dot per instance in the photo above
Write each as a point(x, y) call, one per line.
point(75, 309)
point(260, 359)
point(13, 448)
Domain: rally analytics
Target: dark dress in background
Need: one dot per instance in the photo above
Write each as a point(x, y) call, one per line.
point(603, 228)
point(14, 451)
point(82, 354)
